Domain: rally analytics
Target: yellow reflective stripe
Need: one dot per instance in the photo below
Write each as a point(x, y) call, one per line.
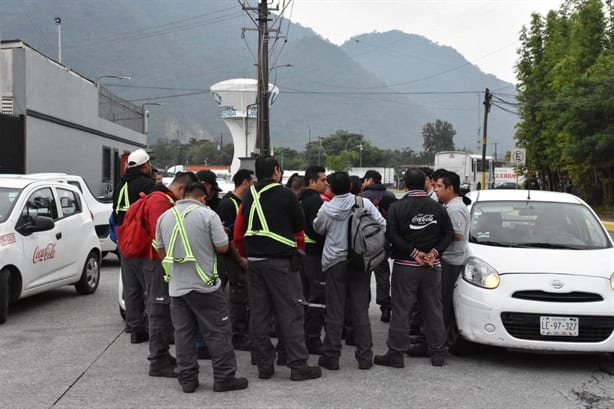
point(309, 240)
point(234, 202)
point(123, 197)
point(264, 229)
point(179, 229)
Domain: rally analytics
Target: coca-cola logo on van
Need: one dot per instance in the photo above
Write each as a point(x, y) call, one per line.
point(43, 254)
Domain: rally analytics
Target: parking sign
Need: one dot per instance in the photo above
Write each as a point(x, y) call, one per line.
point(519, 156)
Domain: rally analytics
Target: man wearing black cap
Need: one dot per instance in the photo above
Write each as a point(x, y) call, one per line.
point(210, 180)
point(137, 179)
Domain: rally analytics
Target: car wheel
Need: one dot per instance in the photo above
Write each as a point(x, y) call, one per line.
point(462, 347)
point(4, 295)
point(122, 312)
point(90, 276)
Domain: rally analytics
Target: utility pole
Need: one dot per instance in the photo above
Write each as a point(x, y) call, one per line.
point(263, 138)
point(487, 98)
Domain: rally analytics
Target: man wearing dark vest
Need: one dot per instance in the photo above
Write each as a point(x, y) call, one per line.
point(137, 179)
point(311, 201)
point(268, 226)
point(235, 264)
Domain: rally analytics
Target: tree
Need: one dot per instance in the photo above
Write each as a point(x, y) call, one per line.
point(438, 136)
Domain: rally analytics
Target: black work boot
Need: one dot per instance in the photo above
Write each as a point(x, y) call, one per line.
point(303, 373)
point(138, 337)
point(188, 380)
point(234, 384)
point(438, 359)
point(391, 358)
point(266, 372)
point(330, 363)
point(189, 387)
point(164, 372)
point(418, 350)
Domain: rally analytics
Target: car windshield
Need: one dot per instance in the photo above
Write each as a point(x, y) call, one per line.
point(8, 198)
point(531, 224)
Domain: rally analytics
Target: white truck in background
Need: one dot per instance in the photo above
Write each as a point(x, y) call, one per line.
point(468, 167)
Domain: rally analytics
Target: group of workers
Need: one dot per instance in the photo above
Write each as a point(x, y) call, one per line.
point(282, 251)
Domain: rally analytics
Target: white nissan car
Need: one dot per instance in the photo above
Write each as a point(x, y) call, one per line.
point(539, 276)
point(47, 240)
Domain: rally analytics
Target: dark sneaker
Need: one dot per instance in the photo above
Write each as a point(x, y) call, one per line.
point(393, 359)
point(203, 353)
point(303, 373)
point(241, 343)
point(330, 363)
point(385, 314)
point(189, 387)
point(165, 372)
point(417, 350)
point(230, 385)
point(282, 358)
point(438, 360)
point(364, 364)
point(138, 337)
point(266, 372)
point(314, 346)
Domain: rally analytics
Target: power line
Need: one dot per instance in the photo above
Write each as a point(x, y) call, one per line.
point(505, 109)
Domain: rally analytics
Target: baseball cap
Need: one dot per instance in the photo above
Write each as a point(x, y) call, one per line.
point(137, 158)
point(209, 177)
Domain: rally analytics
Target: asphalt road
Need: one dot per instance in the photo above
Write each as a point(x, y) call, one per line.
point(61, 350)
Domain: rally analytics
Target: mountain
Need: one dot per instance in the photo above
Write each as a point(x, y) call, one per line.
point(183, 47)
point(414, 64)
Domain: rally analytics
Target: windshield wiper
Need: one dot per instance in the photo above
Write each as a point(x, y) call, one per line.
point(490, 243)
point(545, 245)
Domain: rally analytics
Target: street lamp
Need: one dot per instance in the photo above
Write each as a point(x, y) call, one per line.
point(146, 115)
point(58, 21)
point(360, 148)
point(117, 77)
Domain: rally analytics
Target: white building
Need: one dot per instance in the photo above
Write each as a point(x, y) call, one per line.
point(55, 120)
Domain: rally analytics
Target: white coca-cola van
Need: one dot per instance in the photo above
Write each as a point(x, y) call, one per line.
point(47, 239)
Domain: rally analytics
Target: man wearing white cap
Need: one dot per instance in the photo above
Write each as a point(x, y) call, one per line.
point(137, 179)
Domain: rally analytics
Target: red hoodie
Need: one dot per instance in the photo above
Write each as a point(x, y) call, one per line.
point(157, 203)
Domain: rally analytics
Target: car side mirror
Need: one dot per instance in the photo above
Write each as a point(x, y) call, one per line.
point(39, 223)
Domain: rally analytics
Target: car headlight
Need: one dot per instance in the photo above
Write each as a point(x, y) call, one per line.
point(480, 273)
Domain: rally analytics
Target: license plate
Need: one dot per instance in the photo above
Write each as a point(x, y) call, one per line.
point(559, 326)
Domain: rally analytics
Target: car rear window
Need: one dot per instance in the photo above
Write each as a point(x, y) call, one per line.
point(536, 224)
point(8, 198)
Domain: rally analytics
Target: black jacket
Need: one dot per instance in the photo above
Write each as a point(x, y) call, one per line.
point(311, 202)
point(284, 216)
point(417, 223)
point(137, 182)
point(228, 212)
point(375, 192)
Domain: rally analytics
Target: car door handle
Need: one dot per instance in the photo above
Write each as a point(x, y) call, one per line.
point(58, 236)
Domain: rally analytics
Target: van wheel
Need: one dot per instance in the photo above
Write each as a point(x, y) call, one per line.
point(4, 294)
point(90, 277)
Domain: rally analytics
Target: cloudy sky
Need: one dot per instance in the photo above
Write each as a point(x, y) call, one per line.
point(484, 31)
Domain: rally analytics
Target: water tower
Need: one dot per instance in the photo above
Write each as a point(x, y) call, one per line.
point(237, 98)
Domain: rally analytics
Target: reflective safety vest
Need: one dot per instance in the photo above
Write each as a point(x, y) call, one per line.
point(309, 240)
point(264, 229)
point(234, 202)
point(123, 200)
point(179, 230)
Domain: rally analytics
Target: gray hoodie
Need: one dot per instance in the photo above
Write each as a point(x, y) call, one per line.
point(332, 222)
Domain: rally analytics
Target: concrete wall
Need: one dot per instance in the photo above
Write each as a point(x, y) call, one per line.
point(66, 101)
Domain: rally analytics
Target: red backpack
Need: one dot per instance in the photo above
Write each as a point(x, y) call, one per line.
point(132, 238)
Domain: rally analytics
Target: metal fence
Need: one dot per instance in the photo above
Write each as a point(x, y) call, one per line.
point(120, 111)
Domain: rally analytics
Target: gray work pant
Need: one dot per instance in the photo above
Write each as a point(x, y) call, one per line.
point(207, 312)
point(160, 324)
point(347, 285)
point(449, 275)
point(315, 293)
point(274, 286)
point(133, 283)
point(382, 284)
point(238, 300)
point(411, 284)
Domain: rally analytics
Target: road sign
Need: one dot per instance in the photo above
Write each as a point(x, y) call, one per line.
point(519, 156)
